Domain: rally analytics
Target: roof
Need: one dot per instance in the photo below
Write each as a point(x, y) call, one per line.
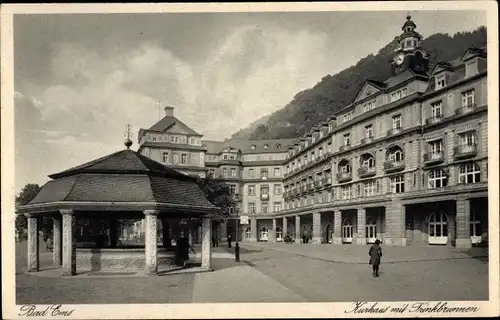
point(273, 146)
point(125, 161)
point(167, 122)
point(119, 180)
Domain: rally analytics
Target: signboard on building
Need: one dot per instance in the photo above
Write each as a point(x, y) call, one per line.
point(244, 219)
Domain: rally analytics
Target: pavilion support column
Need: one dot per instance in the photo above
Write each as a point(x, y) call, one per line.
point(69, 242)
point(57, 243)
point(151, 252)
point(33, 247)
point(206, 245)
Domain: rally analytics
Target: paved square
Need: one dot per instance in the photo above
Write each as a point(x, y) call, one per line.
point(276, 272)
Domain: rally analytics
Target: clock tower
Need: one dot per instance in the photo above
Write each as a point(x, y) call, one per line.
point(409, 54)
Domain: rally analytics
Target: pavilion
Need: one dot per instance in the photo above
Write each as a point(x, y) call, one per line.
point(122, 185)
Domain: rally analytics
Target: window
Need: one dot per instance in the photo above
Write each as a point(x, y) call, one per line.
point(251, 173)
point(192, 141)
point(312, 156)
point(251, 190)
point(263, 173)
point(437, 179)
point(398, 94)
point(369, 131)
point(277, 172)
point(251, 208)
point(264, 190)
point(211, 172)
point(347, 139)
point(277, 207)
point(436, 148)
point(278, 146)
point(469, 173)
point(233, 157)
point(369, 106)
point(176, 139)
point(176, 158)
point(396, 122)
point(232, 188)
point(346, 192)
point(345, 167)
point(467, 138)
point(224, 157)
point(440, 82)
point(233, 172)
point(468, 98)
point(368, 161)
point(436, 108)
point(184, 158)
point(369, 188)
point(252, 147)
point(305, 159)
point(403, 92)
point(396, 155)
point(248, 233)
point(347, 116)
point(329, 147)
point(277, 189)
point(266, 146)
point(264, 207)
point(165, 156)
point(397, 184)
point(224, 172)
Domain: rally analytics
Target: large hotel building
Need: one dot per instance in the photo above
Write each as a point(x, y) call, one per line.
point(405, 163)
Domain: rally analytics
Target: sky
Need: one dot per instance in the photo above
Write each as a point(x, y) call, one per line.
point(80, 79)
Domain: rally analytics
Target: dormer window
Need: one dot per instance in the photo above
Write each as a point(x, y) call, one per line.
point(266, 146)
point(440, 82)
point(252, 147)
point(278, 146)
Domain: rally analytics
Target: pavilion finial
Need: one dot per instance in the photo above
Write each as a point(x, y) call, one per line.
point(128, 135)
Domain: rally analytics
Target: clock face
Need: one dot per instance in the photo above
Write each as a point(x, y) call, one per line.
point(399, 59)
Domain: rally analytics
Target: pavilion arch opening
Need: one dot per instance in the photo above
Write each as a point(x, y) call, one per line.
point(329, 233)
point(438, 228)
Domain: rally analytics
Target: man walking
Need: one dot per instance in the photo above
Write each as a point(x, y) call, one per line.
point(375, 256)
point(229, 241)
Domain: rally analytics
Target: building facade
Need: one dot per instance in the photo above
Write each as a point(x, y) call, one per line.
point(405, 163)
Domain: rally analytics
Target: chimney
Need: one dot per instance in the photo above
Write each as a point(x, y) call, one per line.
point(169, 111)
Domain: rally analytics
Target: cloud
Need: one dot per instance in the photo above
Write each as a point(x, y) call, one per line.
point(92, 95)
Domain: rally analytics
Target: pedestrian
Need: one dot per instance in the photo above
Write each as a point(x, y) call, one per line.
point(229, 241)
point(375, 256)
point(183, 248)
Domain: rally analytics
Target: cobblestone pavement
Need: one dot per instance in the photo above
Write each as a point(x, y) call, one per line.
point(276, 273)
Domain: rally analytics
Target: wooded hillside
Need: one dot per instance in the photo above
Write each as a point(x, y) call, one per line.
point(314, 105)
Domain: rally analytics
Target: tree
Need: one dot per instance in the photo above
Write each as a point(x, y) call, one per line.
point(218, 193)
point(27, 194)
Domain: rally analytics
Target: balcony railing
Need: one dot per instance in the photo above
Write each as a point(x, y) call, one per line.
point(433, 157)
point(344, 147)
point(344, 176)
point(465, 109)
point(327, 181)
point(432, 120)
point(394, 166)
point(366, 140)
point(465, 151)
point(366, 172)
point(394, 131)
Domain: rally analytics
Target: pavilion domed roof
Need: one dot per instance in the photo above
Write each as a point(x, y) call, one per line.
point(125, 161)
point(120, 181)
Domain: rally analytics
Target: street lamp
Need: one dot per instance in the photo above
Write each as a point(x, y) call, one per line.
point(237, 245)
